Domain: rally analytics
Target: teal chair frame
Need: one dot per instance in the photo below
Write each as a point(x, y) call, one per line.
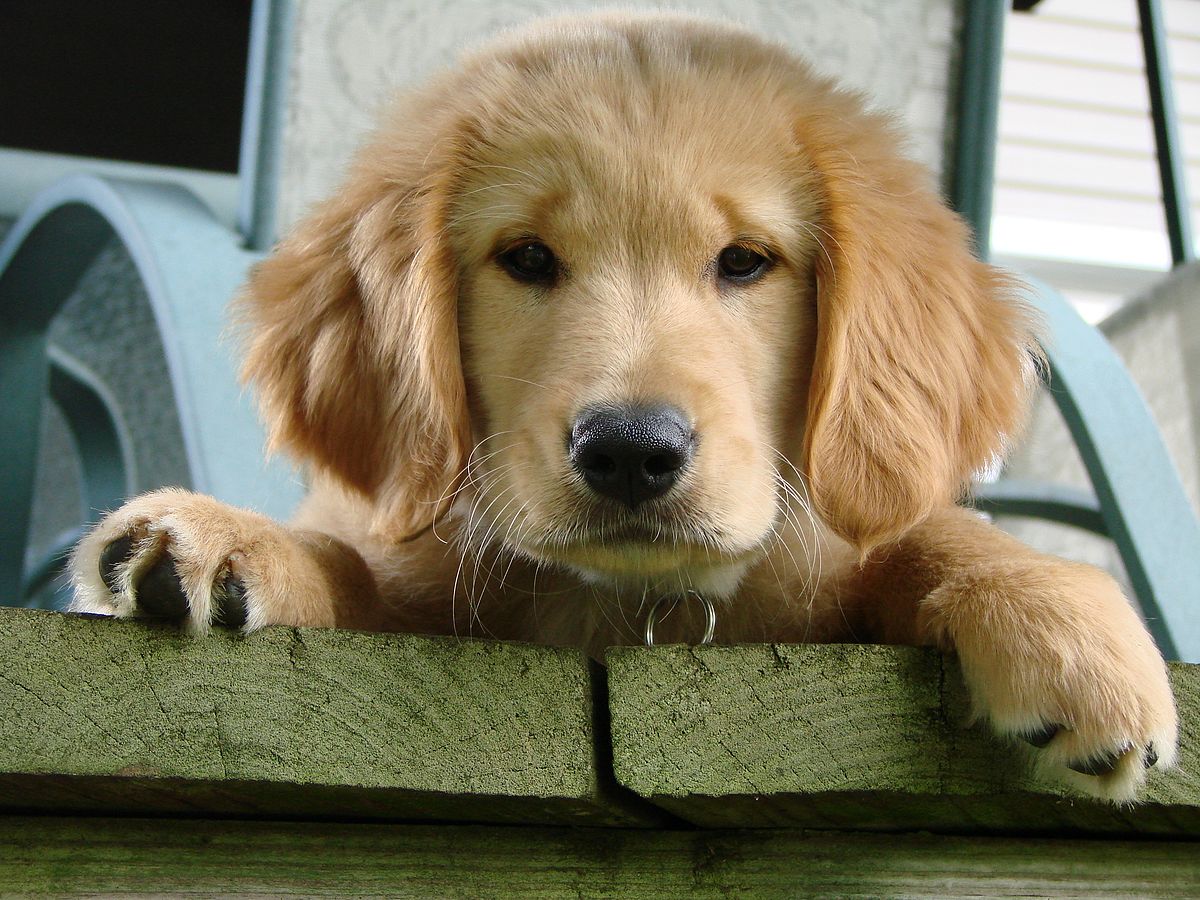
point(191, 265)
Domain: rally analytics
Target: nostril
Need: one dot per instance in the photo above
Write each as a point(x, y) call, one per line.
point(598, 463)
point(661, 464)
point(631, 453)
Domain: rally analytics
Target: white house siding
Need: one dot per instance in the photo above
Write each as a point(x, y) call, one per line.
point(1077, 192)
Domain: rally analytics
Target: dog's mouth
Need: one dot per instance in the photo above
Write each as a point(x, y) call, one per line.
point(641, 534)
point(647, 549)
point(666, 524)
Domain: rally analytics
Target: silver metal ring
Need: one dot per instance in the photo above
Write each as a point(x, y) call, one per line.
point(710, 617)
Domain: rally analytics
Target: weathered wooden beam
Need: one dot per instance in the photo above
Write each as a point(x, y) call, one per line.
point(856, 737)
point(105, 857)
point(127, 717)
point(131, 718)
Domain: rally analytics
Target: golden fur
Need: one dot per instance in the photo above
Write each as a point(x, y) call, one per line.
point(841, 402)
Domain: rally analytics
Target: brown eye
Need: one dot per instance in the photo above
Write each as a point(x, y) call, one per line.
point(738, 263)
point(531, 261)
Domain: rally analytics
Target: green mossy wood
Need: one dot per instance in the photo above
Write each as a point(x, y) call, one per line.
point(237, 744)
point(106, 857)
point(856, 737)
point(126, 717)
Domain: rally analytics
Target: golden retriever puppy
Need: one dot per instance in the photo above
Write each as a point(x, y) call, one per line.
point(628, 308)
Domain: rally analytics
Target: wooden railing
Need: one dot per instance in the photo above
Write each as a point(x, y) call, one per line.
point(135, 758)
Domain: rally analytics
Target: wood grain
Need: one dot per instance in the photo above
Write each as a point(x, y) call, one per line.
point(851, 736)
point(115, 716)
point(100, 716)
point(107, 857)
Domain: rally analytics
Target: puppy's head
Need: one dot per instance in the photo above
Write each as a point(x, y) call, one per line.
point(622, 289)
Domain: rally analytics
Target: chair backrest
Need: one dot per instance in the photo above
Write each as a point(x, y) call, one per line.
point(345, 58)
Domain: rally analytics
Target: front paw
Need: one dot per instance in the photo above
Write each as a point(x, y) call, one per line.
point(1054, 655)
point(185, 558)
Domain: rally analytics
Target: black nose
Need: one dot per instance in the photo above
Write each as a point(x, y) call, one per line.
point(631, 453)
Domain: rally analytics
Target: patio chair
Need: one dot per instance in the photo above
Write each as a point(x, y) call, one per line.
point(319, 69)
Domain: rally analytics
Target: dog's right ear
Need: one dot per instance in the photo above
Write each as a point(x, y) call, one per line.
point(353, 336)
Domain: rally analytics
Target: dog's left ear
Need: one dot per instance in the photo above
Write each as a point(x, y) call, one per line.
point(924, 355)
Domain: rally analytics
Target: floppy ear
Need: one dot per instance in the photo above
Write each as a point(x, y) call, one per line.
point(924, 354)
point(353, 339)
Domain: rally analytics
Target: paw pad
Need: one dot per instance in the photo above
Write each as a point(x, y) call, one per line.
point(1103, 764)
point(231, 602)
point(158, 589)
point(1042, 736)
point(115, 554)
point(1099, 765)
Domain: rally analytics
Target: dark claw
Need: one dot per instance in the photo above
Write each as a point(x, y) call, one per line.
point(114, 554)
point(1100, 765)
point(231, 602)
point(1043, 736)
point(1150, 757)
point(160, 592)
